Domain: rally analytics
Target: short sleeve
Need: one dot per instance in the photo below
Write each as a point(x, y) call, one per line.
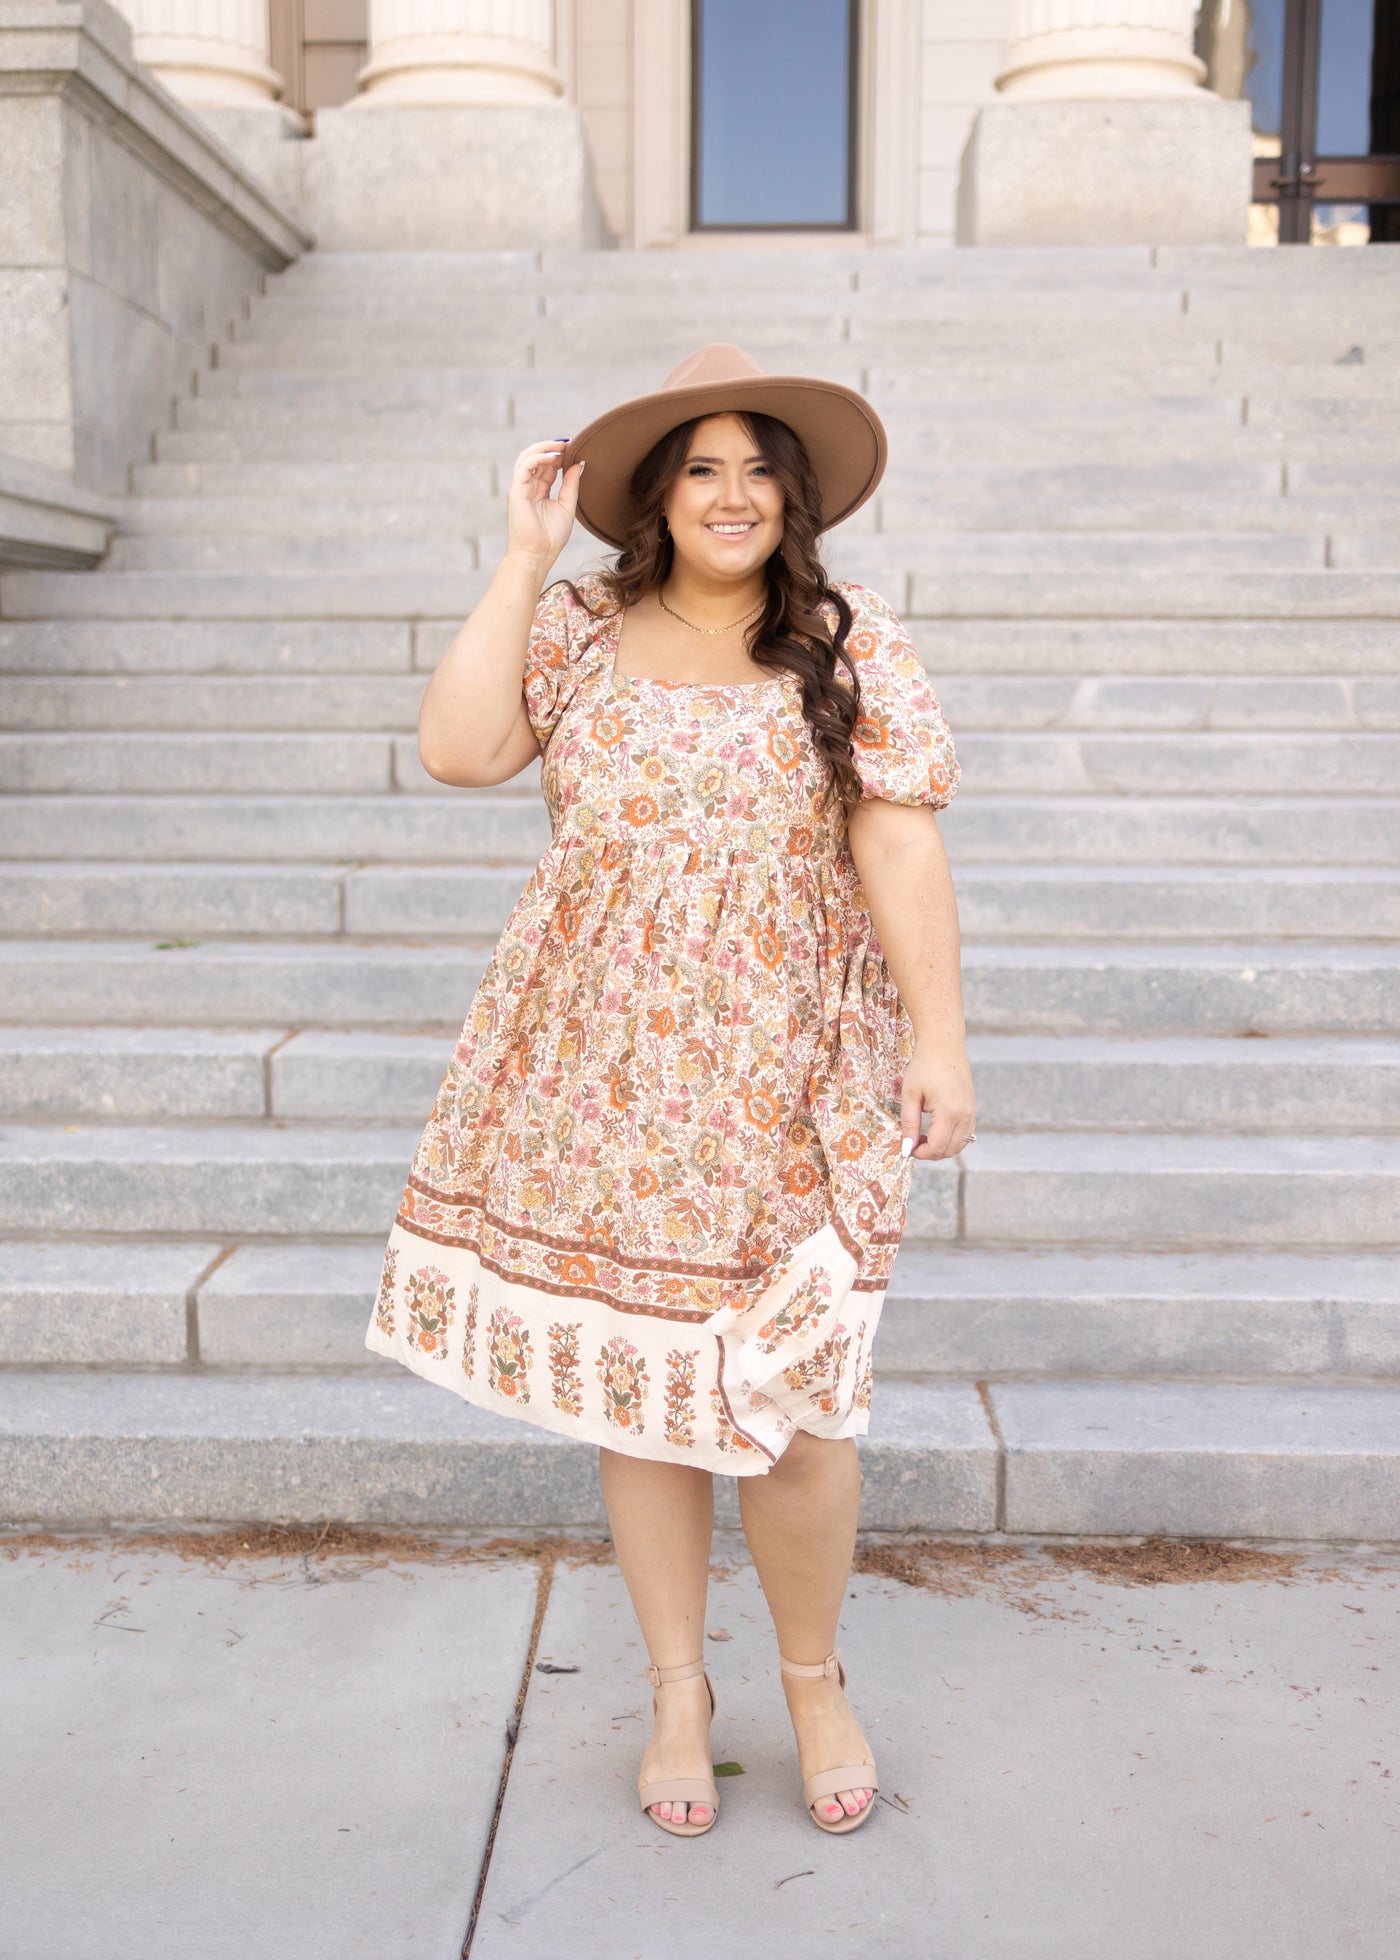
point(902, 748)
point(561, 639)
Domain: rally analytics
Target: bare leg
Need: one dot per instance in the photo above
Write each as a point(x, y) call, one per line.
point(800, 1521)
point(662, 1517)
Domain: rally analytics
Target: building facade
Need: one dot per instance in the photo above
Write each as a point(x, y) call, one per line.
point(905, 122)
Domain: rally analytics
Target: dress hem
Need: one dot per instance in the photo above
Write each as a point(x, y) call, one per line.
point(544, 1416)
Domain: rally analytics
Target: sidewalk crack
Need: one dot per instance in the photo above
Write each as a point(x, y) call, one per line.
point(546, 1582)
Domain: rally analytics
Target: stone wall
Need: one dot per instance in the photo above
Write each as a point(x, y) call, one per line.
point(129, 235)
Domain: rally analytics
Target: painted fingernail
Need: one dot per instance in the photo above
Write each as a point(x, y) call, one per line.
point(906, 1146)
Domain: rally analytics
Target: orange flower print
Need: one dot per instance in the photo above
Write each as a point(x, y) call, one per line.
point(640, 810)
point(680, 1397)
point(769, 947)
point(508, 1351)
point(800, 841)
point(622, 1094)
point(609, 728)
point(661, 1021)
point(860, 645)
point(801, 1178)
point(384, 1305)
point(762, 1109)
point(851, 1146)
point(644, 1181)
point(623, 1374)
point(429, 1304)
point(565, 1381)
point(871, 730)
point(784, 749)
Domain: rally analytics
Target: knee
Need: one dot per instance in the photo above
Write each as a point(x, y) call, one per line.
point(816, 1461)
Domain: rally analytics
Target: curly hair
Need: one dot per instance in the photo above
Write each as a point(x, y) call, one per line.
point(791, 633)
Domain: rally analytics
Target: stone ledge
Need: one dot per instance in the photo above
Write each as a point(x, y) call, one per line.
point(83, 49)
point(46, 521)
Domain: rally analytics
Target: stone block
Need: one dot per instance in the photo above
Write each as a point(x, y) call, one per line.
point(1141, 172)
point(182, 648)
point(324, 1076)
point(1083, 1311)
point(136, 1073)
point(217, 1180)
point(119, 1305)
point(1198, 1459)
point(1144, 1190)
point(291, 1306)
point(188, 762)
point(502, 175)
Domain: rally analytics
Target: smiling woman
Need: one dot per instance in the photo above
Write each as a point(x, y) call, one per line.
point(658, 1198)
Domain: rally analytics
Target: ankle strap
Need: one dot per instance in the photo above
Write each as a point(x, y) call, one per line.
point(659, 1676)
point(831, 1665)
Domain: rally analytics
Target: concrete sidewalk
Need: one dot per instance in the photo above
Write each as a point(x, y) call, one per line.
point(288, 1756)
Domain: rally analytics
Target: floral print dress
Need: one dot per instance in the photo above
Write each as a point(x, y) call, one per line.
point(660, 1192)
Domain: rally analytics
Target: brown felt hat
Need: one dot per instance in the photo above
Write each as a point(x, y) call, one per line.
point(843, 436)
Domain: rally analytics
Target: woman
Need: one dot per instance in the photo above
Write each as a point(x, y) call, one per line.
point(661, 1190)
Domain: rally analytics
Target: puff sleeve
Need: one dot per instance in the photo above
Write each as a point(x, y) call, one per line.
point(902, 748)
point(560, 634)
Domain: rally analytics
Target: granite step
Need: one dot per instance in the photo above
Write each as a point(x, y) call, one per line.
point(364, 703)
point(1228, 988)
point(953, 1312)
point(434, 546)
point(1212, 763)
point(1315, 1461)
point(935, 595)
point(1315, 1084)
point(510, 822)
point(1138, 1191)
point(1221, 652)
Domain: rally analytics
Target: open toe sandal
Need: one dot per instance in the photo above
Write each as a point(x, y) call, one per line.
point(848, 1776)
point(681, 1789)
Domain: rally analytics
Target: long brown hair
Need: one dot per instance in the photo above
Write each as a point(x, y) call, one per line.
point(790, 634)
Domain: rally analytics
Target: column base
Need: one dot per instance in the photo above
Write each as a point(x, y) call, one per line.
point(267, 141)
point(442, 177)
point(1176, 171)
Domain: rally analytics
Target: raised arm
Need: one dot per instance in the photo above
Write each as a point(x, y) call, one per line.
point(908, 887)
point(472, 725)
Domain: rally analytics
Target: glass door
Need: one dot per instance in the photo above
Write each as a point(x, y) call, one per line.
point(1323, 80)
point(773, 115)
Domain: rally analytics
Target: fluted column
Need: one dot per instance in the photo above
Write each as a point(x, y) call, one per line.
point(213, 53)
point(1068, 50)
point(460, 51)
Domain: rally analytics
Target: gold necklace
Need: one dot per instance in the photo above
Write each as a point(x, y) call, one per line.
point(710, 631)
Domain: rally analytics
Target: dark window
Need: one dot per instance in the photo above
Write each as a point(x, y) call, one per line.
point(772, 113)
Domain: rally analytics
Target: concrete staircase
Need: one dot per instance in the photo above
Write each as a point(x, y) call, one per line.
point(1144, 519)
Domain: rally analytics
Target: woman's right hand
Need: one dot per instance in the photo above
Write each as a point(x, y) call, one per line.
point(538, 524)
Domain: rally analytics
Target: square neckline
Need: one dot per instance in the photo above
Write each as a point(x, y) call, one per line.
point(615, 680)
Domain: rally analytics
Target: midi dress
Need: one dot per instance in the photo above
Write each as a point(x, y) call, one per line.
point(658, 1197)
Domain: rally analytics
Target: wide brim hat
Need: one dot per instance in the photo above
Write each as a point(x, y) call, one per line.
point(843, 436)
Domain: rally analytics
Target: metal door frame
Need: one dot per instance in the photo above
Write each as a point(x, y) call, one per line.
point(1300, 178)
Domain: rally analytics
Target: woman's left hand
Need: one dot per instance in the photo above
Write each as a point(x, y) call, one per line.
point(938, 1083)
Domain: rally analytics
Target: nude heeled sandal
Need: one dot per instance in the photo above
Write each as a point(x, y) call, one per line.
point(681, 1789)
point(827, 1782)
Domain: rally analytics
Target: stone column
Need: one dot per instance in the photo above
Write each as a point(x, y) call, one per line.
point(1066, 50)
point(460, 138)
point(460, 51)
point(1104, 135)
point(212, 53)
